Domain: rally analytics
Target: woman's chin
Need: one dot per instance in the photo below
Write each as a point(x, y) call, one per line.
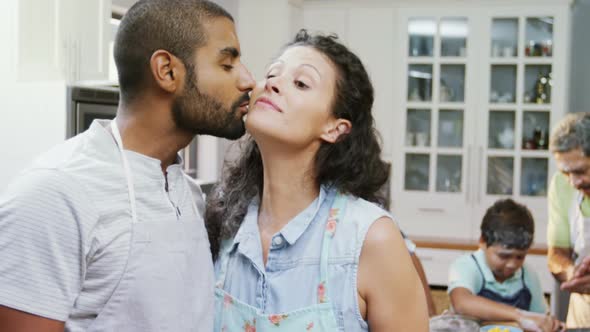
point(257, 125)
point(258, 132)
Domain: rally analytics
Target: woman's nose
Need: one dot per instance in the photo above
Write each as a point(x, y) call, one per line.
point(272, 85)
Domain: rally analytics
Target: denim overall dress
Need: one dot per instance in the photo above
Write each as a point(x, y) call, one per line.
point(234, 315)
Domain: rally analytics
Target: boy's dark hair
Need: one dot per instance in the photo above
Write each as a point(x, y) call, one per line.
point(508, 223)
point(149, 25)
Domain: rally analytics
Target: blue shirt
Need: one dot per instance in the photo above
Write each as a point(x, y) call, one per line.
point(288, 282)
point(464, 273)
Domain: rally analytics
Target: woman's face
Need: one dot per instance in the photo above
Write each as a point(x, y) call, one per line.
point(292, 105)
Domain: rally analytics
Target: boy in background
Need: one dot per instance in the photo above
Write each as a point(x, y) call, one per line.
point(492, 284)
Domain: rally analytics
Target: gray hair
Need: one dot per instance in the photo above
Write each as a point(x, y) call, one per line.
point(573, 132)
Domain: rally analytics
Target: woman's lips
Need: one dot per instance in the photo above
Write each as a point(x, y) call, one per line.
point(268, 103)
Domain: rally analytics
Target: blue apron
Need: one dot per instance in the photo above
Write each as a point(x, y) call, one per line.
point(521, 300)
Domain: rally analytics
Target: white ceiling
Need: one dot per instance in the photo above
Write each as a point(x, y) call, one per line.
point(121, 6)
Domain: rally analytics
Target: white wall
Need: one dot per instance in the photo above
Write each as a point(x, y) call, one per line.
point(355, 22)
point(379, 64)
point(8, 37)
point(263, 27)
point(33, 113)
point(33, 100)
point(579, 96)
point(41, 52)
point(230, 5)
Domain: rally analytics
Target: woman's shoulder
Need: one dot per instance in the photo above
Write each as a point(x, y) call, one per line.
point(358, 218)
point(363, 211)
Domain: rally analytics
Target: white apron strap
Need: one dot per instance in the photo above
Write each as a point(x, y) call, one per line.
point(128, 175)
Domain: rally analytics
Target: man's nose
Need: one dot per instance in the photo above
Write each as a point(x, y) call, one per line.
point(512, 264)
point(246, 82)
point(575, 180)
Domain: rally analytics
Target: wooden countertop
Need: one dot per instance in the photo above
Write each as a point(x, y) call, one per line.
point(460, 244)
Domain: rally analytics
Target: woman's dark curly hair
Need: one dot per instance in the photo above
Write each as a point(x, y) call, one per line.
point(352, 164)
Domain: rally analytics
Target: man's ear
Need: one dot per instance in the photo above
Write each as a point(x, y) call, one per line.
point(335, 129)
point(482, 243)
point(167, 70)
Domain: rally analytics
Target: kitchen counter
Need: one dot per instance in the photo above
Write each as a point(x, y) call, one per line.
point(461, 244)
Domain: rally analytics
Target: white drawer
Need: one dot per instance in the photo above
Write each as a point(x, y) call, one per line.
point(436, 263)
point(539, 264)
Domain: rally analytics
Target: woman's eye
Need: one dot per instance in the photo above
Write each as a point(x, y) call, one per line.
point(270, 76)
point(301, 85)
point(227, 67)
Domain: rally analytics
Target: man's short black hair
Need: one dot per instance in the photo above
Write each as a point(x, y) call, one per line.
point(172, 25)
point(509, 224)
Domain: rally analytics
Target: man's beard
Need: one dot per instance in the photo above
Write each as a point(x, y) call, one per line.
point(201, 114)
point(585, 189)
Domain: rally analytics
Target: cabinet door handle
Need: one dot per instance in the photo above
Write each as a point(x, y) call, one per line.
point(479, 164)
point(425, 258)
point(186, 154)
point(467, 179)
point(437, 210)
point(190, 168)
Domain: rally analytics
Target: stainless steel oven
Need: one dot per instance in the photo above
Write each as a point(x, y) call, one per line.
point(89, 101)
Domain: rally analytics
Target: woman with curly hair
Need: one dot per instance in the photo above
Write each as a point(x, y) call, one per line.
point(300, 240)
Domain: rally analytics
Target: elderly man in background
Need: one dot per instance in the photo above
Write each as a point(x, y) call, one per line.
point(569, 215)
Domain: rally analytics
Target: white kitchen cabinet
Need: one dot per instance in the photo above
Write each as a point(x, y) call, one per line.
point(63, 40)
point(47, 44)
point(436, 263)
point(539, 264)
point(453, 90)
point(483, 85)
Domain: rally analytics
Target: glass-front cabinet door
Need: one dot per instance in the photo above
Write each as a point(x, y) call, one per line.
point(436, 113)
point(481, 90)
point(519, 113)
point(434, 131)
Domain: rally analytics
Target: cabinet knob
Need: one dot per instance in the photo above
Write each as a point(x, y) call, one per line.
point(437, 210)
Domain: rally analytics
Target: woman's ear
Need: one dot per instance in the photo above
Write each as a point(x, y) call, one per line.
point(167, 70)
point(335, 129)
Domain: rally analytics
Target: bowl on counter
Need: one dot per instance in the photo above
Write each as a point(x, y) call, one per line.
point(500, 328)
point(453, 323)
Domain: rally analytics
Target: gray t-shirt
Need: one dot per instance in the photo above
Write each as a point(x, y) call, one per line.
point(65, 226)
